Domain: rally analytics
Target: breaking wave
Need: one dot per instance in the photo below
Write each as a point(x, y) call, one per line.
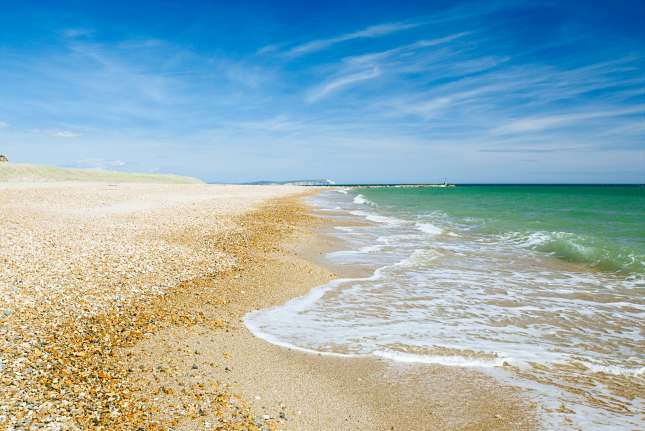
point(576, 248)
point(362, 200)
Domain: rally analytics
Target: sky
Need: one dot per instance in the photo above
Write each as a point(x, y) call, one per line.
point(377, 91)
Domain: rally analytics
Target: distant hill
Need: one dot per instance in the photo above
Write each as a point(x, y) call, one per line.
point(294, 183)
point(12, 172)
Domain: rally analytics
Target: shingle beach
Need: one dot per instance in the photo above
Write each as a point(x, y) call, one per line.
point(122, 308)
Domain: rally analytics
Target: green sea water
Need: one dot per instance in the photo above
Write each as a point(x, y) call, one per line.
point(540, 286)
point(602, 227)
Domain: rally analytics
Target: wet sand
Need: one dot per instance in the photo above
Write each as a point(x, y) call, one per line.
point(123, 310)
point(288, 389)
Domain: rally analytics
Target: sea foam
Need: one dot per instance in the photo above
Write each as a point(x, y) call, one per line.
point(429, 228)
point(438, 285)
point(362, 200)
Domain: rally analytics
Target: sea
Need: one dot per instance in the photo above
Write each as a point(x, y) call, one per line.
point(541, 286)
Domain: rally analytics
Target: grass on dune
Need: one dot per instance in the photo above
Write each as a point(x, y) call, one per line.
point(11, 172)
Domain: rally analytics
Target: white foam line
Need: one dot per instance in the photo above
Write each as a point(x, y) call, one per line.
point(613, 369)
point(274, 340)
point(300, 303)
point(449, 361)
point(363, 250)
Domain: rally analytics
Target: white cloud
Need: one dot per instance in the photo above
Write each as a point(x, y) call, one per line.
point(439, 41)
point(3, 124)
point(533, 124)
point(427, 108)
point(268, 49)
point(445, 91)
point(384, 29)
point(368, 32)
point(64, 134)
point(404, 49)
point(332, 86)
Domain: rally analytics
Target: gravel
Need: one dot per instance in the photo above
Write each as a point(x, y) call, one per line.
point(84, 270)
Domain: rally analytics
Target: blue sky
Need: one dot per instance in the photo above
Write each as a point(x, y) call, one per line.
point(505, 91)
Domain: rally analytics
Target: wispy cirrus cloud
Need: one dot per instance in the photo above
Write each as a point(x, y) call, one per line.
point(352, 70)
point(403, 49)
point(459, 13)
point(545, 96)
point(532, 124)
point(336, 84)
point(373, 31)
point(429, 106)
point(445, 92)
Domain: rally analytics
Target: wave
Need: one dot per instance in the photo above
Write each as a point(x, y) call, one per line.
point(389, 355)
point(576, 248)
point(418, 257)
point(362, 200)
point(429, 228)
point(614, 369)
point(377, 218)
point(437, 297)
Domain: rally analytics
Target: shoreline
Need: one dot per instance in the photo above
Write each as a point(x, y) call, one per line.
point(291, 389)
point(184, 360)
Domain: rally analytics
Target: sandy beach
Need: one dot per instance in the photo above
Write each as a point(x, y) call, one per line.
point(123, 305)
point(322, 216)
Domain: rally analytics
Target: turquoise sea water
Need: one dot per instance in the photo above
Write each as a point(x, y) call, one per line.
point(599, 226)
point(540, 286)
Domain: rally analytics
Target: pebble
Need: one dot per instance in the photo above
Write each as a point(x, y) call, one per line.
point(92, 281)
